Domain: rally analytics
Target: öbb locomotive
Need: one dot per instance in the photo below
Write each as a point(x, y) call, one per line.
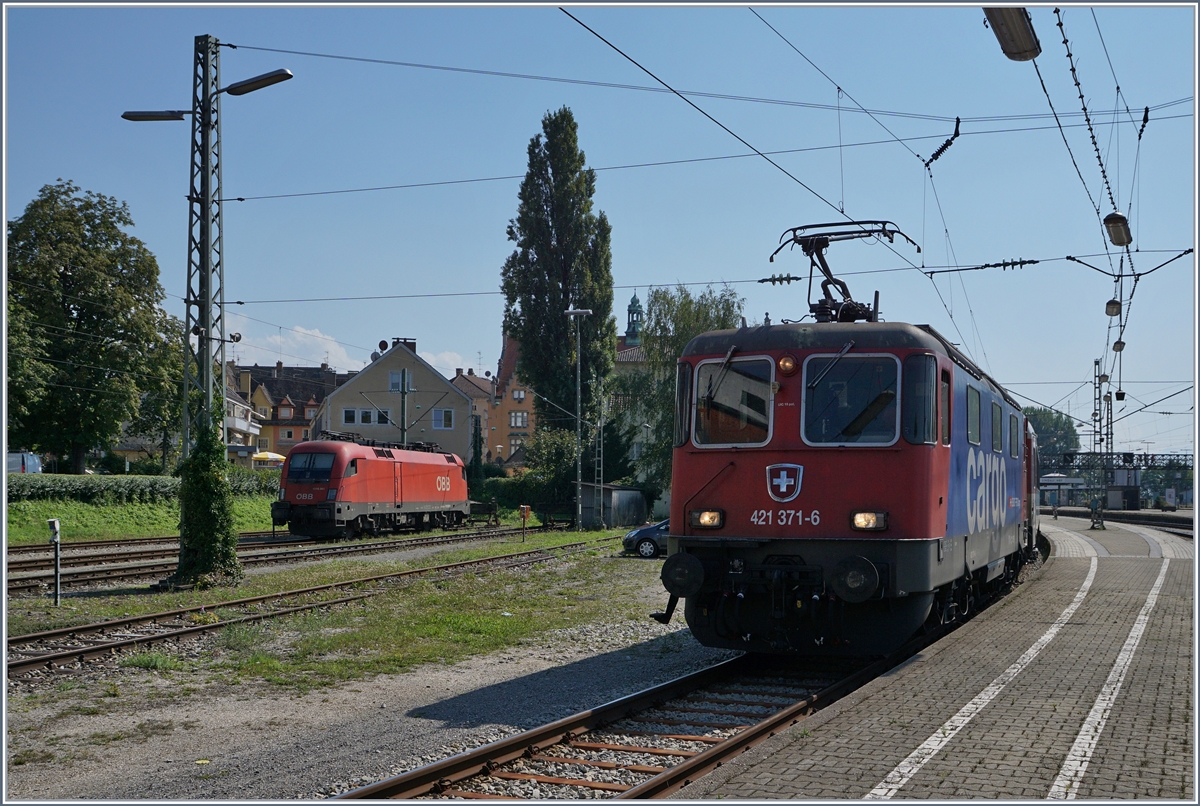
point(838, 484)
point(340, 486)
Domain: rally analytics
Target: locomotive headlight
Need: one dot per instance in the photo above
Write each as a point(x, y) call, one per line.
point(869, 521)
point(787, 364)
point(707, 518)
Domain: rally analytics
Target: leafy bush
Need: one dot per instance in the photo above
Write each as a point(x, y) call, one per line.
point(127, 489)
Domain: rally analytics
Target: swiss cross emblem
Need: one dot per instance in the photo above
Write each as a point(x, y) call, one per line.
point(783, 481)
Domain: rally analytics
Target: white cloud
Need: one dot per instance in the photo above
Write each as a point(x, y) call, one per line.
point(445, 362)
point(293, 346)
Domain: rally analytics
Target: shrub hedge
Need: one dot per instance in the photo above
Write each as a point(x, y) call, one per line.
point(126, 489)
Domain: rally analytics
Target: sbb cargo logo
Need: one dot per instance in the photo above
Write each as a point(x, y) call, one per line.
point(783, 481)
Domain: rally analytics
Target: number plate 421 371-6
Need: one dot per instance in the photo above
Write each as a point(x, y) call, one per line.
point(784, 517)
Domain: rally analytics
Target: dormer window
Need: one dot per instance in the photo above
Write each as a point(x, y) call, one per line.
point(310, 412)
point(285, 412)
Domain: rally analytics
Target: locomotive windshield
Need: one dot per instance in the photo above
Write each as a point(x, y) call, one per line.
point(310, 467)
point(854, 403)
point(733, 402)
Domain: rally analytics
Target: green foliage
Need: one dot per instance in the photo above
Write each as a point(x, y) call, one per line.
point(160, 408)
point(91, 293)
point(617, 464)
point(1055, 435)
point(127, 489)
point(562, 260)
point(673, 318)
point(207, 536)
point(27, 376)
point(550, 457)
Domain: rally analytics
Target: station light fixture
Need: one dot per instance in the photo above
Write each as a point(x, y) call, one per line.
point(1104, 378)
point(1118, 229)
point(1120, 394)
point(257, 83)
point(1014, 31)
point(1113, 307)
point(1118, 346)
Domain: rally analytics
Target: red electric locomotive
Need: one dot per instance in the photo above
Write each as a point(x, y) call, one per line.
point(837, 484)
point(340, 486)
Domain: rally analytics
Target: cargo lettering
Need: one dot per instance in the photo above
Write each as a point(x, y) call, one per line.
point(987, 490)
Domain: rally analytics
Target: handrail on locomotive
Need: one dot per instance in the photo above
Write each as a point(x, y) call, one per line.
point(813, 240)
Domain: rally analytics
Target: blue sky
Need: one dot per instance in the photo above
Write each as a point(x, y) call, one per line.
point(1006, 189)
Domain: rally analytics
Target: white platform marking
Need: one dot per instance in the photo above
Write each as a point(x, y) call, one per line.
point(1072, 544)
point(1173, 546)
point(1076, 764)
point(904, 772)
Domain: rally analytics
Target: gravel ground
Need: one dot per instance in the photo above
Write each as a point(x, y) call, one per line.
point(162, 739)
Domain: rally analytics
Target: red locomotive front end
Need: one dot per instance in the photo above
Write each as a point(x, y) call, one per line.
point(809, 492)
point(340, 488)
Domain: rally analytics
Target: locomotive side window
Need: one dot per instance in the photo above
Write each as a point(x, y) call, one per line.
point(733, 402)
point(918, 404)
point(310, 467)
point(851, 400)
point(972, 415)
point(1013, 433)
point(945, 407)
point(997, 428)
point(683, 402)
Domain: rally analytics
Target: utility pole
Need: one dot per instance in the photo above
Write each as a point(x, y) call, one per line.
point(576, 314)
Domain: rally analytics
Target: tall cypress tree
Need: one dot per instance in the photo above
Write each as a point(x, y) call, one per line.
point(562, 260)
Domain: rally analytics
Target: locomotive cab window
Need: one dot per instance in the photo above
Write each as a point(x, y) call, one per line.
point(945, 407)
point(918, 404)
point(851, 400)
point(683, 402)
point(1013, 432)
point(310, 467)
point(733, 402)
point(997, 428)
point(972, 415)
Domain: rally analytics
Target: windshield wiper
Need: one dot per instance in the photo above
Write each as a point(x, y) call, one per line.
point(812, 384)
point(864, 418)
point(712, 388)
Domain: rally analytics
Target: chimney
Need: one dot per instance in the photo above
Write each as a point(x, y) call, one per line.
point(470, 371)
point(244, 381)
point(457, 372)
point(324, 366)
point(409, 343)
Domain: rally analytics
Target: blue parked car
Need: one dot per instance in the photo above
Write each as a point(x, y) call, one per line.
point(648, 541)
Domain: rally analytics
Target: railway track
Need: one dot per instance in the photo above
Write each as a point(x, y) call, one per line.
point(138, 565)
point(648, 744)
point(73, 648)
point(134, 542)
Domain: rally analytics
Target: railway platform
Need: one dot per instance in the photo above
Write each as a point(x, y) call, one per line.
point(1077, 685)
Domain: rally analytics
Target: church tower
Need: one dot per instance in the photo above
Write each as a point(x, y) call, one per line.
point(633, 330)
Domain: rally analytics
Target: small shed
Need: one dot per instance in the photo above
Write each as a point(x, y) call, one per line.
point(623, 506)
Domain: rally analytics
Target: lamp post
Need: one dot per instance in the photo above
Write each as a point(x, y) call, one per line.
point(205, 294)
point(576, 313)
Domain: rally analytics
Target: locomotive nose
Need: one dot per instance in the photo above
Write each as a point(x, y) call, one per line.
point(682, 575)
point(855, 579)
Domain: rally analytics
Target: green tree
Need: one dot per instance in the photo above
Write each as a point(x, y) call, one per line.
point(673, 318)
point(91, 292)
point(27, 373)
point(207, 537)
point(550, 457)
point(1055, 435)
point(562, 260)
point(160, 409)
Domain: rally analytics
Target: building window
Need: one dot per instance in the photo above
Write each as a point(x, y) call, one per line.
point(518, 419)
point(264, 443)
point(443, 419)
point(513, 444)
point(285, 412)
point(518, 394)
point(287, 434)
point(264, 412)
point(305, 433)
point(309, 413)
point(348, 416)
point(366, 417)
point(400, 380)
point(384, 416)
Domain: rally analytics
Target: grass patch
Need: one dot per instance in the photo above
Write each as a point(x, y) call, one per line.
point(32, 757)
point(82, 522)
point(152, 660)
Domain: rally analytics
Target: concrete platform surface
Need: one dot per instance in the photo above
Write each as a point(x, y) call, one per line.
point(1078, 684)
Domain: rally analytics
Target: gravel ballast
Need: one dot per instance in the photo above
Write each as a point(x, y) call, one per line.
point(159, 740)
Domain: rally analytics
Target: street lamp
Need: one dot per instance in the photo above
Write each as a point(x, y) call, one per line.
point(1118, 229)
point(205, 293)
point(576, 314)
point(1014, 31)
